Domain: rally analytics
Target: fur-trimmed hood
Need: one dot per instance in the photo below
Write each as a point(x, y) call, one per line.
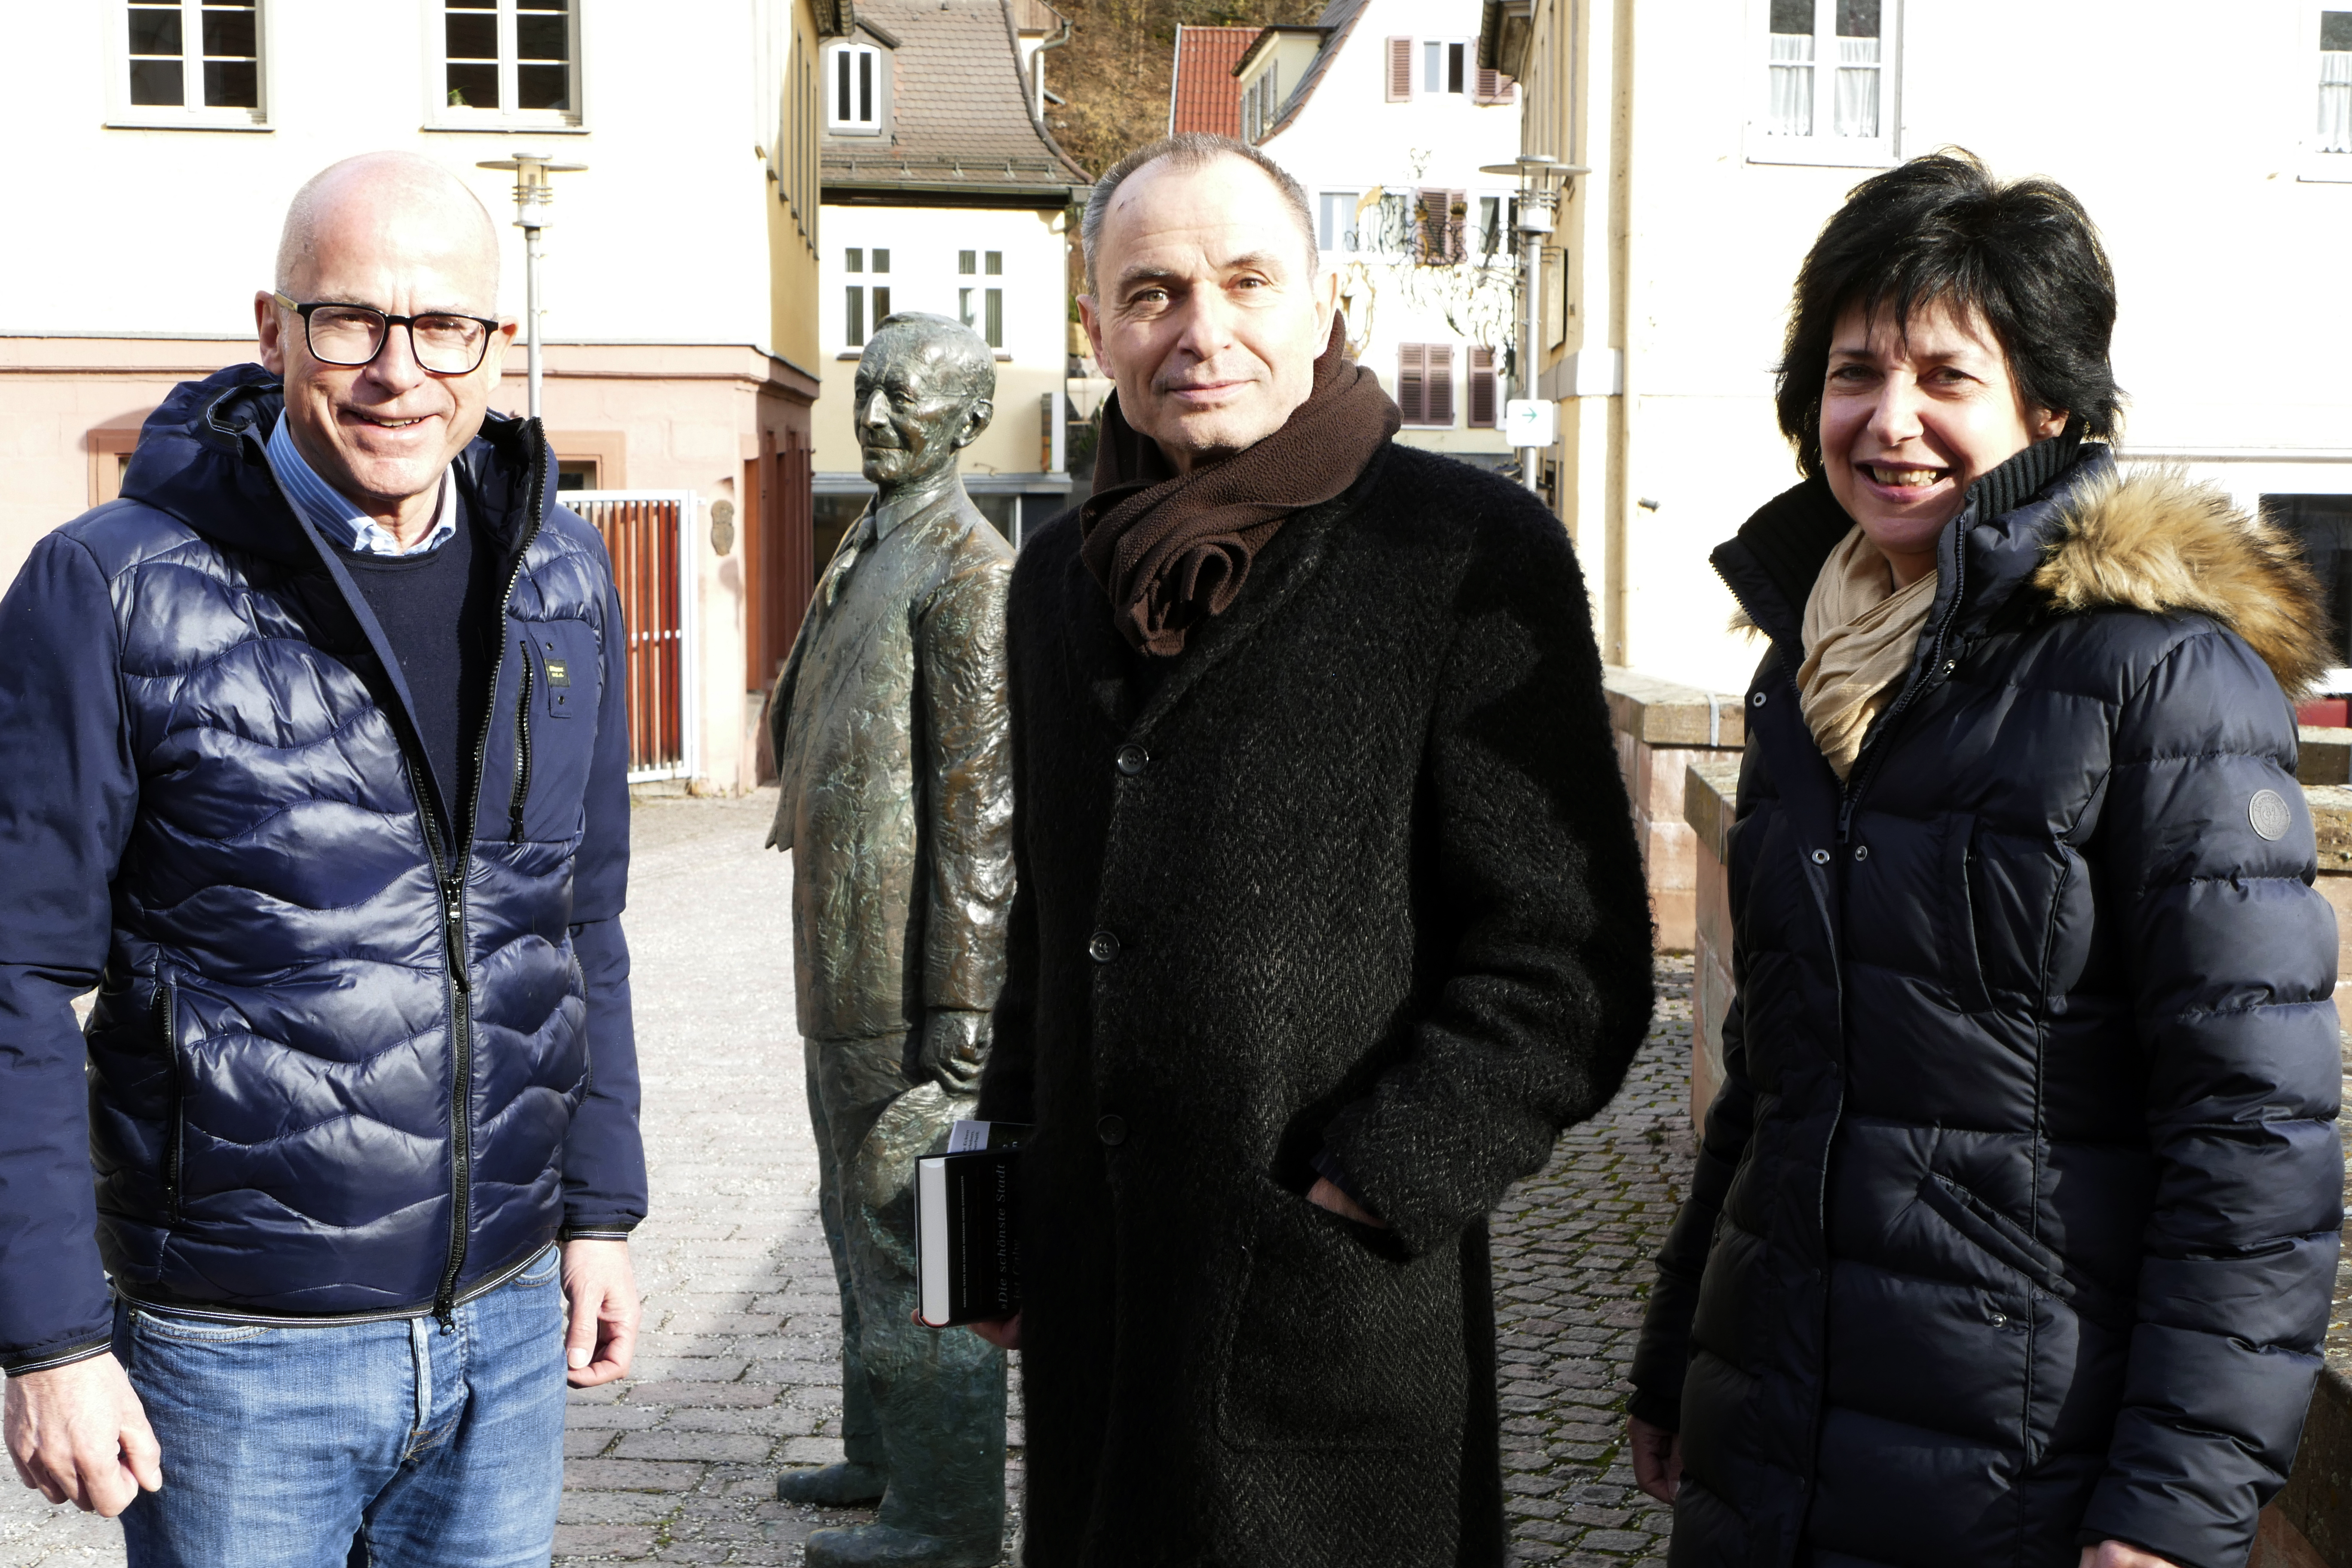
point(2157, 541)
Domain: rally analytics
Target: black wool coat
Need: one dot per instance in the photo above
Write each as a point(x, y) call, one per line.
point(1354, 877)
point(2014, 1227)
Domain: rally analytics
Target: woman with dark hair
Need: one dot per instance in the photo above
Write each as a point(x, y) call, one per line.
point(2013, 1232)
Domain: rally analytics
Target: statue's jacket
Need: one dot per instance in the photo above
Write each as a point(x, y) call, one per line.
point(336, 1067)
point(893, 751)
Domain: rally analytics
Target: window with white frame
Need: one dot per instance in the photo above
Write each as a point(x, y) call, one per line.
point(1445, 65)
point(1828, 82)
point(854, 104)
point(191, 62)
point(2334, 131)
point(1335, 227)
point(1262, 102)
point(511, 62)
point(978, 307)
point(1493, 236)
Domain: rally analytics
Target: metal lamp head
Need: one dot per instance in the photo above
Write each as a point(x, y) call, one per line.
point(534, 193)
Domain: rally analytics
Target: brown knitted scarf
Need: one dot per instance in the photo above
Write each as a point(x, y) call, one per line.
point(1170, 549)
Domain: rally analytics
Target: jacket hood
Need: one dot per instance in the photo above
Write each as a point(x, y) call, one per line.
point(200, 458)
point(2062, 524)
point(1989, 549)
point(2156, 540)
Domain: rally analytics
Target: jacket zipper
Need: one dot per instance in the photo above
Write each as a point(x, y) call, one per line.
point(461, 1123)
point(167, 1008)
point(1935, 668)
point(451, 887)
point(522, 751)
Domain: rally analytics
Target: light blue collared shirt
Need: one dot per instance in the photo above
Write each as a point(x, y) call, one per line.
point(325, 508)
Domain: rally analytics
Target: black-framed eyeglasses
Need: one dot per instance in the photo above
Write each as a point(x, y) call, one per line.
point(445, 343)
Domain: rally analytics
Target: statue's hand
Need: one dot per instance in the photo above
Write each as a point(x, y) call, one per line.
point(955, 1047)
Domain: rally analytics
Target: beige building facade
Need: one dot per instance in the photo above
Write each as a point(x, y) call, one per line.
point(164, 139)
point(2212, 146)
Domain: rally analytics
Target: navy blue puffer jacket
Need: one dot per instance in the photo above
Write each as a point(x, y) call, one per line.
point(335, 1067)
point(2015, 1224)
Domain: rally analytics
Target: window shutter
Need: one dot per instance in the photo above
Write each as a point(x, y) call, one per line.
point(1410, 399)
point(1494, 87)
point(1482, 388)
point(1441, 383)
point(1444, 215)
point(1400, 69)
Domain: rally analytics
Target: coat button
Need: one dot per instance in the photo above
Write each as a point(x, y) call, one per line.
point(1112, 1130)
point(1132, 759)
point(1757, 701)
point(1862, 851)
point(1820, 857)
point(1102, 947)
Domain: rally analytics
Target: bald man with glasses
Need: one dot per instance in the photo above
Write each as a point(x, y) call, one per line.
point(302, 1238)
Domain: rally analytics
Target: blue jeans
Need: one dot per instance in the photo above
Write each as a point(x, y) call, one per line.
point(392, 1444)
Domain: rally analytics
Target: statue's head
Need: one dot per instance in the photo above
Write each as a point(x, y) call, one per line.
point(925, 390)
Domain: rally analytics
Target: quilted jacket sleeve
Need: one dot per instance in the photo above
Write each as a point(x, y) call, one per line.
point(1536, 890)
point(1662, 1355)
point(604, 1156)
point(2206, 859)
point(68, 794)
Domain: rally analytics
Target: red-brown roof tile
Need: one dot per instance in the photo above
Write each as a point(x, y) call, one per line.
point(1205, 95)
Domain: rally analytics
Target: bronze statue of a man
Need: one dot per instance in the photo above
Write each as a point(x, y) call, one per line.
point(892, 740)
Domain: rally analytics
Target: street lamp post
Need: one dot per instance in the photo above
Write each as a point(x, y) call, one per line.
point(1538, 199)
point(534, 193)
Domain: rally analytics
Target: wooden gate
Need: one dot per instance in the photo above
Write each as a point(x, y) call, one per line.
point(649, 535)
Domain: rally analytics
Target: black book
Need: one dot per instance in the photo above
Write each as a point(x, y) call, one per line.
point(967, 1231)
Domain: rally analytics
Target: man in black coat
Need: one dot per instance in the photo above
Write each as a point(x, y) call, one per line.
point(1329, 918)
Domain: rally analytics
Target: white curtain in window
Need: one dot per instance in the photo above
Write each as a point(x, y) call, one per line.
point(2334, 100)
point(1793, 84)
point(1857, 87)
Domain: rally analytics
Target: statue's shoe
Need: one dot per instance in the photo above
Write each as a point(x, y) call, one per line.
point(835, 1486)
point(880, 1546)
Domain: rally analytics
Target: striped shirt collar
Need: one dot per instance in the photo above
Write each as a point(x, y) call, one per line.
point(337, 519)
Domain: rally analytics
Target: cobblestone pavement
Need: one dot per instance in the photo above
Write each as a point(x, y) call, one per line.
point(1572, 1250)
point(737, 1376)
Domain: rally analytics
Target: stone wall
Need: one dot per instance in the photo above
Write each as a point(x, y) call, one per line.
point(1662, 729)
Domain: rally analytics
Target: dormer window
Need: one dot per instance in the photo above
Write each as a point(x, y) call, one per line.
point(855, 105)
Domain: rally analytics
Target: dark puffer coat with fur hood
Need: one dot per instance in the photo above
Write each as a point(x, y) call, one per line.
point(2014, 1226)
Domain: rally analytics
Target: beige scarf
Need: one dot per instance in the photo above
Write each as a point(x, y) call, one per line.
point(1860, 634)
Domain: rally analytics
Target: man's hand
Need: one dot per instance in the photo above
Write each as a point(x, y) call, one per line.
point(1657, 1458)
point(79, 1435)
point(1005, 1333)
point(2115, 1554)
point(1326, 1194)
point(600, 1289)
point(954, 1049)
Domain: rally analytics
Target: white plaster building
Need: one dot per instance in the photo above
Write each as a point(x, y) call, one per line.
point(1379, 108)
point(943, 193)
point(156, 143)
point(2212, 146)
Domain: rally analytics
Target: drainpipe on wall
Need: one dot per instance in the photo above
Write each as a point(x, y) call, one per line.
point(1036, 85)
